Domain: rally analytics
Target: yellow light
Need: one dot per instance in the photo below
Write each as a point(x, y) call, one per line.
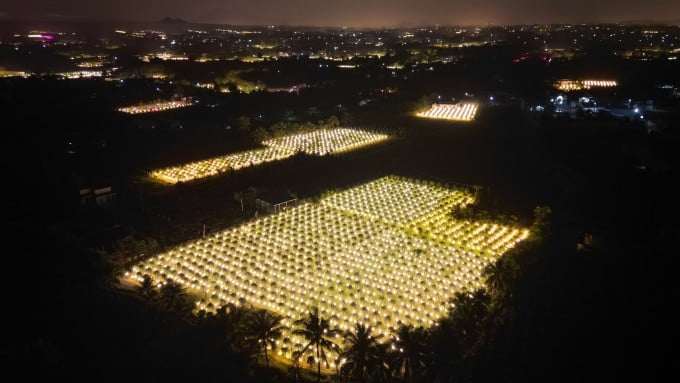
point(453, 112)
point(155, 107)
point(321, 142)
point(355, 254)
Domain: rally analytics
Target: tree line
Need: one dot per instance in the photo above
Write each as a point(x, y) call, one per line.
point(260, 133)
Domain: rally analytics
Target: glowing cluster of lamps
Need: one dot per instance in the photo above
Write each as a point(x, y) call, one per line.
point(464, 111)
point(363, 255)
point(80, 74)
point(598, 84)
point(326, 141)
point(214, 166)
point(155, 107)
point(320, 142)
point(569, 85)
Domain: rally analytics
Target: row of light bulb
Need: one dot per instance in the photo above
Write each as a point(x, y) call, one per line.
point(320, 142)
point(355, 268)
point(155, 107)
point(455, 112)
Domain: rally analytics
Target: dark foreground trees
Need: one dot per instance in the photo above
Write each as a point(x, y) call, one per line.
point(320, 337)
point(410, 354)
point(365, 360)
point(264, 329)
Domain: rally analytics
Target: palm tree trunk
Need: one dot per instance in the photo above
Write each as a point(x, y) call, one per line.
point(266, 357)
point(318, 364)
point(407, 371)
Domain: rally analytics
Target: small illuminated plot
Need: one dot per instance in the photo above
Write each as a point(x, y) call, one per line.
point(598, 84)
point(320, 142)
point(453, 112)
point(213, 166)
point(570, 85)
point(155, 107)
point(392, 202)
point(326, 141)
point(369, 254)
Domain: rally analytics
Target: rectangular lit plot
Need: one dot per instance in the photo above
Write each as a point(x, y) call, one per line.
point(321, 142)
point(217, 165)
point(598, 84)
point(453, 112)
point(484, 238)
point(397, 200)
point(347, 255)
point(353, 269)
point(571, 85)
point(327, 141)
point(155, 107)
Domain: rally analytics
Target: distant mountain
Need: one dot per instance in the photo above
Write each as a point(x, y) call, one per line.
point(173, 20)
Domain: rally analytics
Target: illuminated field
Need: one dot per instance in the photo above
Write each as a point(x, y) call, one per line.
point(321, 142)
point(384, 253)
point(453, 112)
point(569, 85)
point(587, 84)
point(327, 141)
point(155, 107)
point(213, 166)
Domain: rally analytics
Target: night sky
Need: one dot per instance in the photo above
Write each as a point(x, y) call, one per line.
point(359, 13)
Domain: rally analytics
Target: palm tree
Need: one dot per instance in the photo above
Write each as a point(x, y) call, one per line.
point(318, 333)
point(116, 272)
point(147, 289)
point(469, 316)
point(265, 328)
point(500, 278)
point(232, 319)
point(173, 297)
point(364, 356)
point(459, 335)
point(541, 225)
point(410, 351)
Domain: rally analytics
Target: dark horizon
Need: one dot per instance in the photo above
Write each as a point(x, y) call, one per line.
point(180, 21)
point(350, 13)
